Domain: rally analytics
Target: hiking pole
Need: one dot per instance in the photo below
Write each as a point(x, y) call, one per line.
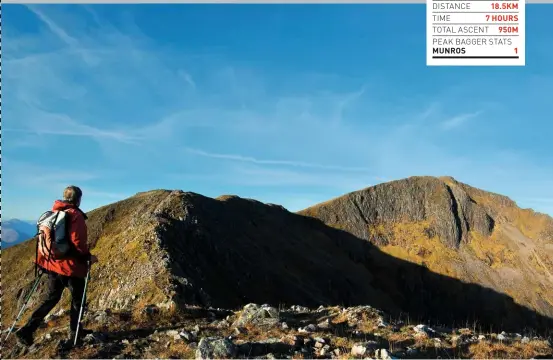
point(24, 304)
point(82, 303)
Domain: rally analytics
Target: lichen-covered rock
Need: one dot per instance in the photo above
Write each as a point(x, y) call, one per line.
point(364, 349)
point(216, 348)
point(257, 315)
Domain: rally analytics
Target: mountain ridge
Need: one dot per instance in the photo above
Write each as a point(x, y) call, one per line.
point(175, 249)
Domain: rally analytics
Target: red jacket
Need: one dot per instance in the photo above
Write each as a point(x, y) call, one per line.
point(74, 263)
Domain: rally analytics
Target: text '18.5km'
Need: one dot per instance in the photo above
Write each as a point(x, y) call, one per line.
point(477, 32)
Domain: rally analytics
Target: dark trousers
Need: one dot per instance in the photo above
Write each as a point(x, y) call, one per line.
point(55, 286)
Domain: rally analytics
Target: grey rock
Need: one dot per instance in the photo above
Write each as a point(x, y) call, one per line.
point(382, 354)
point(525, 340)
point(422, 329)
point(299, 309)
point(257, 315)
point(215, 347)
point(358, 350)
point(239, 331)
point(382, 323)
point(320, 340)
point(308, 329)
point(362, 349)
point(95, 338)
point(308, 342)
point(223, 324)
point(195, 332)
point(188, 336)
point(325, 325)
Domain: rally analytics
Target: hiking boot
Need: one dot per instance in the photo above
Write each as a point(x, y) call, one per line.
point(24, 337)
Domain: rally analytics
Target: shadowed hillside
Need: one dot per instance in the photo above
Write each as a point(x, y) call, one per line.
point(456, 230)
point(173, 248)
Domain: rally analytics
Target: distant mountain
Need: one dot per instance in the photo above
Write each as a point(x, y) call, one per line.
point(15, 231)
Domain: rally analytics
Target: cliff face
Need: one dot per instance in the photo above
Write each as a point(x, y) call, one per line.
point(449, 212)
point(433, 248)
point(455, 230)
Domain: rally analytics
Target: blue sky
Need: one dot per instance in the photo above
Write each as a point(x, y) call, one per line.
point(286, 104)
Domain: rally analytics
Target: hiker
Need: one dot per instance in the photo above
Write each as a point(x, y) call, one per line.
point(70, 271)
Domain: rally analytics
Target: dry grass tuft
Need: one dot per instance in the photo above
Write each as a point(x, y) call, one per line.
point(177, 351)
point(516, 350)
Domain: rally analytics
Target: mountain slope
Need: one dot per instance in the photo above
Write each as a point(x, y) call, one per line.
point(171, 248)
point(174, 248)
point(454, 230)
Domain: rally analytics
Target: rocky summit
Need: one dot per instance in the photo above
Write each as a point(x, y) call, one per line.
point(425, 251)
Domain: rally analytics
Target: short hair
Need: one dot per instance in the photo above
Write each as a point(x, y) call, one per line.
point(72, 194)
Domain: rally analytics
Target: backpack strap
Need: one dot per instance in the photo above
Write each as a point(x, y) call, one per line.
point(72, 249)
point(36, 254)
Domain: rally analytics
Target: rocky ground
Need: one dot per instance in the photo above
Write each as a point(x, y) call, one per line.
point(261, 331)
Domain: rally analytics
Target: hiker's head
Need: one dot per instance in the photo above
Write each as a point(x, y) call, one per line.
point(72, 194)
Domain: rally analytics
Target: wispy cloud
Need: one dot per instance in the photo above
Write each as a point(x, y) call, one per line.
point(62, 34)
point(63, 125)
point(458, 120)
point(262, 177)
point(187, 78)
point(292, 163)
point(348, 100)
point(430, 110)
point(54, 27)
point(45, 176)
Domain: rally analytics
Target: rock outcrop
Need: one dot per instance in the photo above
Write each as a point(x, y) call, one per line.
point(449, 211)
